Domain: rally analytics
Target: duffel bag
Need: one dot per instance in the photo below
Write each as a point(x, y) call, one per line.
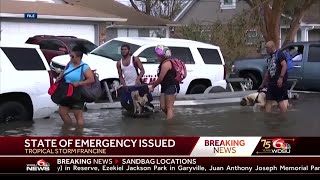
point(65, 92)
point(91, 93)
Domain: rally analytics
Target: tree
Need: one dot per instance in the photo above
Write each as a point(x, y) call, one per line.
point(230, 36)
point(269, 13)
point(145, 5)
point(167, 9)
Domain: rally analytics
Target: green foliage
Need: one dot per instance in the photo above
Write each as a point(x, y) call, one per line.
point(290, 6)
point(231, 37)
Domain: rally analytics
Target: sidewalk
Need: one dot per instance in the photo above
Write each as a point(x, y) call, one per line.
point(186, 100)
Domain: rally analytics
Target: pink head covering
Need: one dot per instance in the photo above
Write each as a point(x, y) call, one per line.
point(162, 51)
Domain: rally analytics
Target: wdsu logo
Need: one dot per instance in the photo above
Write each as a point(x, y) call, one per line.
point(41, 165)
point(276, 146)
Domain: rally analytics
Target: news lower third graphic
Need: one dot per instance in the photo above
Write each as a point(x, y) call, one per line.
point(276, 146)
point(165, 155)
point(41, 165)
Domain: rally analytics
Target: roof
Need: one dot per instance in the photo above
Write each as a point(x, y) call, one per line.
point(164, 41)
point(134, 18)
point(17, 9)
point(185, 10)
point(312, 16)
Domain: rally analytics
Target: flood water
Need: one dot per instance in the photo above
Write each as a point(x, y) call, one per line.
point(303, 119)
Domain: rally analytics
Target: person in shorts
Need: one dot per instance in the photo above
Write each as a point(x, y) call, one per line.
point(276, 79)
point(166, 78)
point(130, 71)
point(74, 77)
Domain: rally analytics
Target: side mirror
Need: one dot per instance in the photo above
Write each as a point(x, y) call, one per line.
point(143, 59)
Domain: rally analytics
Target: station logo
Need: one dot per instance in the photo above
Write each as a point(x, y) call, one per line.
point(275, 146)
point(41, 165)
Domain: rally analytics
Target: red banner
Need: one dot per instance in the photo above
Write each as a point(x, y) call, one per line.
point(97, 145)
point(159, 155)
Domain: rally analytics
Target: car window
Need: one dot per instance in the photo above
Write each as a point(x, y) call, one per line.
point(112, 49)
point(150, 55)
point(314, 53)
point(182, 53)
point(24, 59)
point(210, 56)
point(296, 52)
point(87, 44)
point(51, 45)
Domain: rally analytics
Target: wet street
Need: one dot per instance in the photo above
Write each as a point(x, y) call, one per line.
point(209, 120)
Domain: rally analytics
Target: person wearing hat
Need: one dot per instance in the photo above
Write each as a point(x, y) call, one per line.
point(166, 78)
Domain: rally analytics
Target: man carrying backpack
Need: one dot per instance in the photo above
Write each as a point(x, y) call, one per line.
point(276, 78)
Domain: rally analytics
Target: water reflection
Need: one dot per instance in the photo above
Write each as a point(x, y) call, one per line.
point(69, 130)
point(209, 120)
point(275, 121)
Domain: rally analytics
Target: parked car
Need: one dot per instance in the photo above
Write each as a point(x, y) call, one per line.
point(204, 62)
point(53, 46)
point(24, 83)
point(306, 59)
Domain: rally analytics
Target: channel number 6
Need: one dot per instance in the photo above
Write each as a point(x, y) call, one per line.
point(276, 143)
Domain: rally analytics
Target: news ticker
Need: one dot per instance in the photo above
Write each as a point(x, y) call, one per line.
point(163, 165)
point(134, 155)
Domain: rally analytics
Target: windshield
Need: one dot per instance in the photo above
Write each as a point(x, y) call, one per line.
point(112, 49)
point(87, 44)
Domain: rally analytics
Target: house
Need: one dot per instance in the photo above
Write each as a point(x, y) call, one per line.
point(137, 25)
point(206, 12)
point(20, 20)
point(310, 26)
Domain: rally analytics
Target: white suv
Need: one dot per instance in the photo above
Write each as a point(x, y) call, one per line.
point(24, 83)
point(204, 62)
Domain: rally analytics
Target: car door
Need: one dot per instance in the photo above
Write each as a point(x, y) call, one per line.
point(311, 67)
point(184, 54)
point(31, 74)
point(52, 48)
point(297, 53)
point(150, 63)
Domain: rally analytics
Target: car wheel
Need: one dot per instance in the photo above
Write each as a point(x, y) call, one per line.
point(251, 82)
point(198, 89)
point(218, 89)
point(13, 111)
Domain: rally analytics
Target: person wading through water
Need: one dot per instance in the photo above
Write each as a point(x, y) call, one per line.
point(276, 79)
point(74, 77)
point(129, 75)
point(166, 78)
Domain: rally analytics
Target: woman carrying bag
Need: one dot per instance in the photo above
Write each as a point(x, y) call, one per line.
point(72, 74)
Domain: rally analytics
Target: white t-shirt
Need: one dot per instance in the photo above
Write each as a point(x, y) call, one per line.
point(129, 73)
